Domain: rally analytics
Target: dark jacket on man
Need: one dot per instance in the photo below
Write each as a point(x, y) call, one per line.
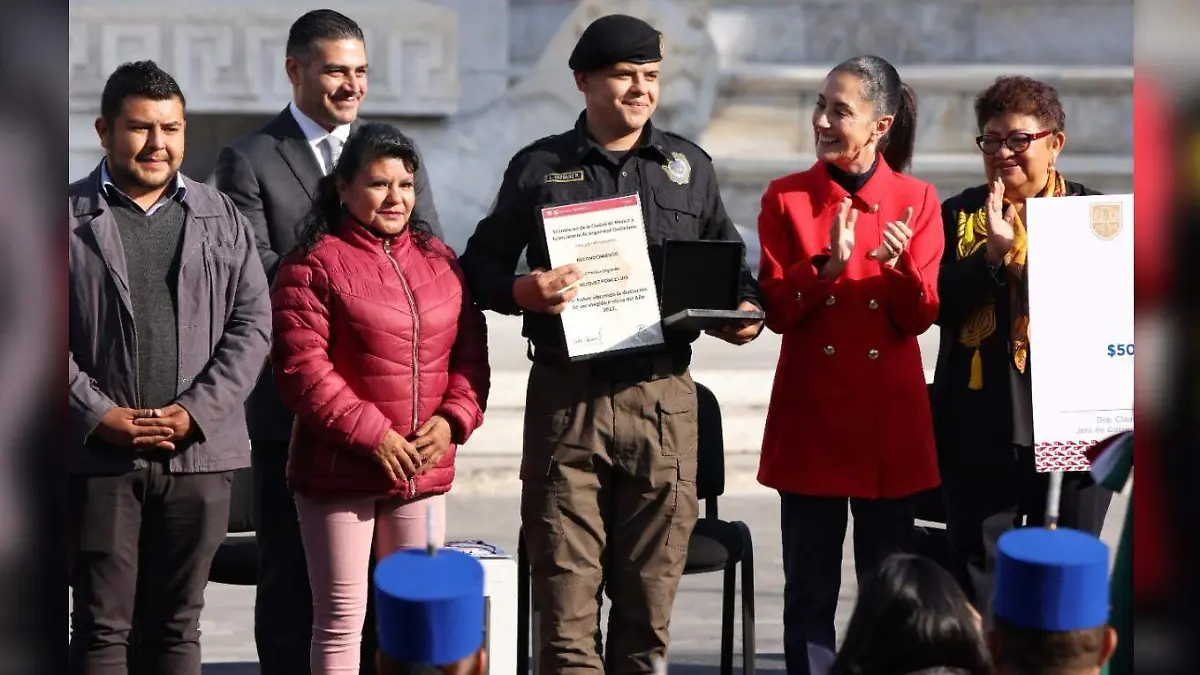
point(223, 323)
point(272, 175)
point(571, 167)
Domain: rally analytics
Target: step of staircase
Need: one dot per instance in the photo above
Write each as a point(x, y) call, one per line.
point(489, 463)
point(924, 31)
point(766, 108)
point(743, 178)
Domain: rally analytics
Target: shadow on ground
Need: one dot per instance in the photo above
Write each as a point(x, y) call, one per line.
point(766, 663)
point(714, 669)
point(229, 669)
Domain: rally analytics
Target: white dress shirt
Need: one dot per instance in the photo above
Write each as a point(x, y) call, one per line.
point(315, 134)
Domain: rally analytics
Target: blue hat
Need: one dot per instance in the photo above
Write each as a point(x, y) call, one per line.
point(1051, 580)
point(430, 607)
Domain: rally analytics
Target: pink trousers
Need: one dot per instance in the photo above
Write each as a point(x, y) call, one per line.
point(337, 544)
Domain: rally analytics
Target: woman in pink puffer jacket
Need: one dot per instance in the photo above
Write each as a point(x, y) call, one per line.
point(383, 357)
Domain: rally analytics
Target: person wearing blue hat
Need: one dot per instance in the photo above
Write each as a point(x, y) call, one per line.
point(430, 614)
point(1051, 603)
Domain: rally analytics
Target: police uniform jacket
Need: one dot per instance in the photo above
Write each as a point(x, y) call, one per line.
point(849, 413)
point(680, 200)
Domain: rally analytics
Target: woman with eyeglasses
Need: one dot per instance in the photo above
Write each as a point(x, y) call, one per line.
point(982, 398)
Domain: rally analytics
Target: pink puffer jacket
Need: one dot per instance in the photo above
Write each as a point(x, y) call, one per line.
point(374, 333)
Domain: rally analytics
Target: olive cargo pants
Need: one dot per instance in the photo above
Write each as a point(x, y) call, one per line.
point(608, 502)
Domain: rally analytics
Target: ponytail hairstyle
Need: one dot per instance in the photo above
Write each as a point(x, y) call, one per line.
point(882, 86)
point(370, 142)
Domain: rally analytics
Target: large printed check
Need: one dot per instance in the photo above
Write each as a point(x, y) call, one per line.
point(1081, 324)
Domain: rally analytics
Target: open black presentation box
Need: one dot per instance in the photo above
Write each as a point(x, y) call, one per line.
point(701, 282)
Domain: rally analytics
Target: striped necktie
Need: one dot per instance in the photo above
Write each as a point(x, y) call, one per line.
point(331, 149)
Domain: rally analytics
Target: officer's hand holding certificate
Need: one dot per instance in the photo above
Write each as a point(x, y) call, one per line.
point(547, 291)
point(615, 306)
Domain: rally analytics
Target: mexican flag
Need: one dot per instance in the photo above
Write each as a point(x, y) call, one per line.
point(1112, 468)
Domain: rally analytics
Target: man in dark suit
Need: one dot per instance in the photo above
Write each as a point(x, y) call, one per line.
point(272, 176)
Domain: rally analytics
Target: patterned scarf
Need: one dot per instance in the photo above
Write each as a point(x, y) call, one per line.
point(972, 234)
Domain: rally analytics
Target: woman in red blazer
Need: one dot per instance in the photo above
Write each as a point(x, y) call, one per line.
point(850, 253)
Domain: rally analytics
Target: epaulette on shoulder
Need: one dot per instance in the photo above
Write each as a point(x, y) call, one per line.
point(689, 142)
point(536, 145)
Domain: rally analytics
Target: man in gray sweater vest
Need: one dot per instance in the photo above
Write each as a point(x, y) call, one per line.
point(169, 325)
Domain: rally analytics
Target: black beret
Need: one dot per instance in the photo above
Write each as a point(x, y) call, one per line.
point(616, 38)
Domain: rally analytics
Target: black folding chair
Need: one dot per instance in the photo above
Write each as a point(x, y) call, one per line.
point(932, 542)
point(236, 561)
point(716, 546)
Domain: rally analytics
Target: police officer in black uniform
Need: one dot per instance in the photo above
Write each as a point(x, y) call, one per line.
point(609, 464)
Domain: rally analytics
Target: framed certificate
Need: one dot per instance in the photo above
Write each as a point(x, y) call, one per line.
point(1080, 324)
point(616, 308)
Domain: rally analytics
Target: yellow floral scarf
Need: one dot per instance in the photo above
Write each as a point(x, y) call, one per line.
point(972, 235)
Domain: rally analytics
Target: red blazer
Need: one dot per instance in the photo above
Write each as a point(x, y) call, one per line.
point(371, 334)
point(849, 413)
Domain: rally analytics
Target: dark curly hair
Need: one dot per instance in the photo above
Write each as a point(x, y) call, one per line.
point(369, 143)
point(1020, 95)
point(911, 615)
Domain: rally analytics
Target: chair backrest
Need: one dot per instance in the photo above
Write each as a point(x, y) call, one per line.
point(241, 504)
point(710, 470)
point(931, 505)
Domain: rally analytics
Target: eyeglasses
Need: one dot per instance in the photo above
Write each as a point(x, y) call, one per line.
point(1018, 142)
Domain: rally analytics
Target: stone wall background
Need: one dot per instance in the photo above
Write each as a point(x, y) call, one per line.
point(475, 80)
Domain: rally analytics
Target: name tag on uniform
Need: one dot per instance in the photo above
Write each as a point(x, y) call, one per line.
point(565, 177)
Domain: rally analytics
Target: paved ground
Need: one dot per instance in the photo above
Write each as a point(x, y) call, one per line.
point(741, 378)
point(507, 349)
point(228, 624)
point(485, 505)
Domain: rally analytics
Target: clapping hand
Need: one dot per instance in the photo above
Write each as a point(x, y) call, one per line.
point(896, 235)
point(841, 239)
point(999, 223)
point(841, 235)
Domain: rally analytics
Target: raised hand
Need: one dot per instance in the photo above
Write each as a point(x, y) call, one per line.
point(896, 235)
point(1000, 230)
point(841, 235)
point(841, 240)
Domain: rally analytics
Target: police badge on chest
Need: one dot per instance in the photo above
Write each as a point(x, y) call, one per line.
point(678, 169)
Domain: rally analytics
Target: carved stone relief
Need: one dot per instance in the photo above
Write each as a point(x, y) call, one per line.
point(229, 59)
point(466, 156)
